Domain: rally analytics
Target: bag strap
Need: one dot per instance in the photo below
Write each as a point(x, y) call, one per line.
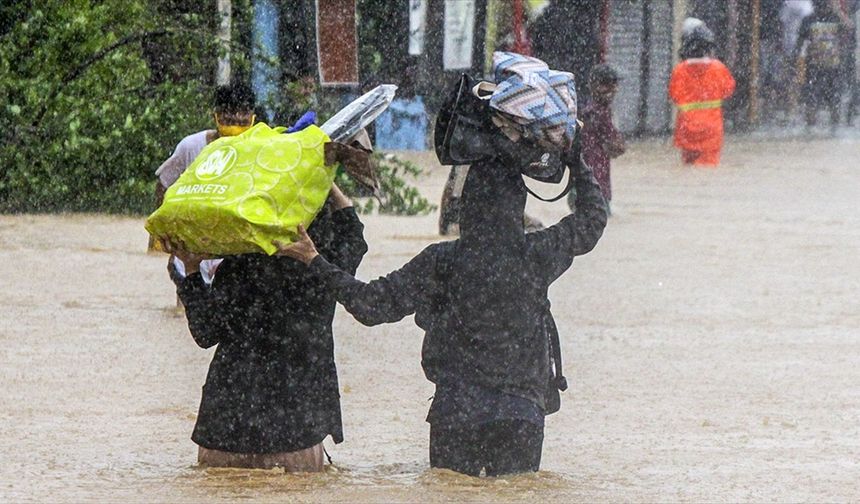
point(562, 194)
point(574, 155)
point(555, 344)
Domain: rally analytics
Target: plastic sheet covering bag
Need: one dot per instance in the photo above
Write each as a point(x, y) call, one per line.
point(351, 119)
point(242, 192)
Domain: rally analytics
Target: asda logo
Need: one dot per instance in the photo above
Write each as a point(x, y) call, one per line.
point(216, 164)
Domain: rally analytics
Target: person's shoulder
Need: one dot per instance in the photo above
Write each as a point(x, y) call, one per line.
point(719, 65)
point(438, 249)
point(682, 66)
point(194, 140)
point(432, 254)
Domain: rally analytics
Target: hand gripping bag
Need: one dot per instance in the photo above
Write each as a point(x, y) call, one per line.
point(242, 192)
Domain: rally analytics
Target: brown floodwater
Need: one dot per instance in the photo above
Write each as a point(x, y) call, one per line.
point(712, 342)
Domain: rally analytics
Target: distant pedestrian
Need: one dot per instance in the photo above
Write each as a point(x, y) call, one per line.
point(820, 44)
point(601, 141)
point(773, 63)
point(791, 15)
point(698, 86)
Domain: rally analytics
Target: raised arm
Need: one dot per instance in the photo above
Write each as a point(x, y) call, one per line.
point(576, 234)
point(346, 246)
point(212, 313)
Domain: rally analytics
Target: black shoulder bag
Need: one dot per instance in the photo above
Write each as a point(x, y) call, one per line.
point(464, 133)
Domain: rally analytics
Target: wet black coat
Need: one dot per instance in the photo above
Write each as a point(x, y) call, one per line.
point(272, 384)
point(482, 299)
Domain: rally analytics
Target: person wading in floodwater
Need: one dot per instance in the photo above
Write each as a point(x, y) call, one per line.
point(482, 301)
point(698, 86)
point(271, 395)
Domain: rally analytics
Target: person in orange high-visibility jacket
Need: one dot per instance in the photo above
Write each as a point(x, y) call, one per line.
point(698, 86)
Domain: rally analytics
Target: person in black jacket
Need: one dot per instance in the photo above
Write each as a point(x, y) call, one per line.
point(821, 37)
point(271, 395)
point(482, 301)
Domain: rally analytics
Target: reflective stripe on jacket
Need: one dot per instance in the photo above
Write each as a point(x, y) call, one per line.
point(704, 105)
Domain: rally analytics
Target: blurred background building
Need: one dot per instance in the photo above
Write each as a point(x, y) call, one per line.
point(296, 47)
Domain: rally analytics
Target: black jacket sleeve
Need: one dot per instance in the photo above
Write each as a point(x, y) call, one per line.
point(555, 247)
point(347, 247)
point(386, 299)
point(211, 310)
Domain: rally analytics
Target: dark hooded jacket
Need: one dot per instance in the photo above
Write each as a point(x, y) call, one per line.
point(482, 299)
point(272, 384)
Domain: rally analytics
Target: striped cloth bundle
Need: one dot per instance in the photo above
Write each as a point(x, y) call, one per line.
point(533, 102)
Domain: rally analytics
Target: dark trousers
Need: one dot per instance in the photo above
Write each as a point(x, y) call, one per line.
point(501, 447)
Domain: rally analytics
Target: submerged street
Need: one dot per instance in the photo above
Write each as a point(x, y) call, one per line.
point(711, 340)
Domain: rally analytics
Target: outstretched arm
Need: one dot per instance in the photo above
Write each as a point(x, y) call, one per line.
point(386, 299)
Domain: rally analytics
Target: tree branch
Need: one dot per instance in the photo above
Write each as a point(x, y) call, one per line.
point(95, 58)
point(102, 53)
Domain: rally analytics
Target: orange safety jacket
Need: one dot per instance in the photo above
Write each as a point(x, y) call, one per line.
point(698, 87)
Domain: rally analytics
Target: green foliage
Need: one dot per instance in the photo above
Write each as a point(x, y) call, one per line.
point(94, 95)
point(397, 196)
point(83, 123)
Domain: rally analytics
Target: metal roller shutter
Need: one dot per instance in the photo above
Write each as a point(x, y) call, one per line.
point(659, 111)
point(624, 48)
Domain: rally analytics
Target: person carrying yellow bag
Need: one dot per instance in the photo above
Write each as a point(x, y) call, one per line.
point(271, 394)
point(243, 191)
point(233, 113)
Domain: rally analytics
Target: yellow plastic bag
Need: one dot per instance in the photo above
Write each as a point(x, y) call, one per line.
point(242, 192)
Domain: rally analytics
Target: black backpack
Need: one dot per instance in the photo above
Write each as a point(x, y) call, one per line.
point(557, 382)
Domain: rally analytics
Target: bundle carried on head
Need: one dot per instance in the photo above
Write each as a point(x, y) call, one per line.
point(529, 104)
point(527, 120)
point(243, 192)
point(533, 102)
